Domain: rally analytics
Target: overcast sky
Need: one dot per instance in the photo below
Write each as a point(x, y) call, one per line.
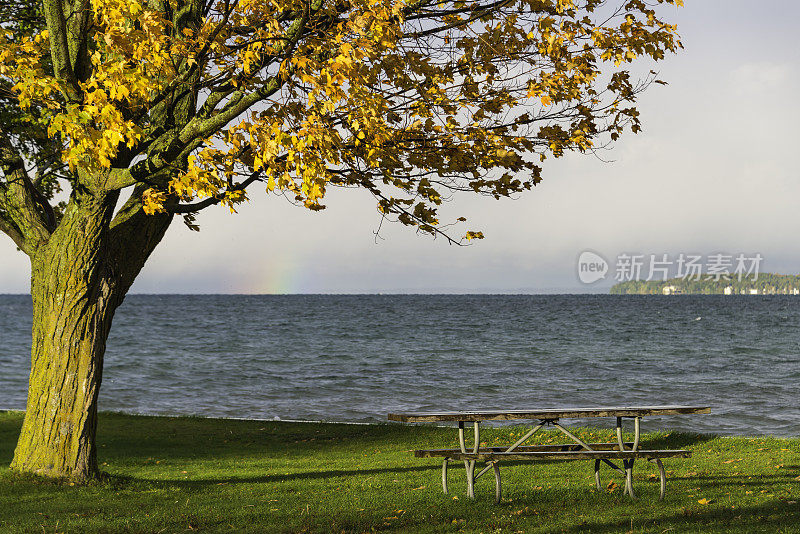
point(714, 171)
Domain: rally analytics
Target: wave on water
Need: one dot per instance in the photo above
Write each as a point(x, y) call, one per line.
point(357, 357)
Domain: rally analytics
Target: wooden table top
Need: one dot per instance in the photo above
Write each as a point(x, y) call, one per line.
point(547, 414)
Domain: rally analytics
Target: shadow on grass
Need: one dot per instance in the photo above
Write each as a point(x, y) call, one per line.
point(773, 516)
point(305, 475)
point(675, 440)
point(10, 425)
point(740, 481)
point(283, 477)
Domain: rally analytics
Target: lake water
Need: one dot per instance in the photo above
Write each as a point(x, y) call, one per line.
point(355, 358)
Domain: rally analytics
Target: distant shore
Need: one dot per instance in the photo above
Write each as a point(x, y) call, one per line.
point(762, 284)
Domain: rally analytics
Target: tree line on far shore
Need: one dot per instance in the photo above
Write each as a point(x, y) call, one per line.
point(764, 284)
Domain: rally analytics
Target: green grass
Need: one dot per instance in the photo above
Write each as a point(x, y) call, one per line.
point(185, 474)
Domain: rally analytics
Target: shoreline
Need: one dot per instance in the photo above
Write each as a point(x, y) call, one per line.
point(410, 425)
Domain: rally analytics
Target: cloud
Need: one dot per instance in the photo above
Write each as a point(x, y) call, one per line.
point(757, 82)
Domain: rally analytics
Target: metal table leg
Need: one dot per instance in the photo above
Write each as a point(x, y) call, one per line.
point(469, 465)
point(444, 474)
point(628, 464)
point(498, 491)
point(629, 477)
point(597, 475)
point(662, 478)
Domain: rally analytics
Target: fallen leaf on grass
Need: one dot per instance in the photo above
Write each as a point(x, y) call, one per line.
point(705, 501)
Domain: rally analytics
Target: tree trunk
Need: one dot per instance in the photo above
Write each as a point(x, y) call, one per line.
point(79, 279)
point(74, 299)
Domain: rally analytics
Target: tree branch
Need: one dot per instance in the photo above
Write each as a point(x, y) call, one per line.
point(213, 201)
point(133, 235)
point(80, 20)
point(202, 128)
point(22, 204)
point(120, 179)
point(8, 227)
point(239, 101)
point(485, 10)
point(59, 48)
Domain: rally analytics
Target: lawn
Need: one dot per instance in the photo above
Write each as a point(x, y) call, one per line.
point(192, 474)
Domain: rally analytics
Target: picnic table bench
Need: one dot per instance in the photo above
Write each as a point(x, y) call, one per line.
point(601, 453)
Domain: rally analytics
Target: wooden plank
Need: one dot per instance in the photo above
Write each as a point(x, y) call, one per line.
point(571, 455)
point(548, 414)
point(565, 447)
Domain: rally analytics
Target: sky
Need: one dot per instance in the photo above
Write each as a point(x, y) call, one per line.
point(714, 171)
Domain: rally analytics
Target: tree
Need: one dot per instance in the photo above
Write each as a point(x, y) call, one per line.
point(144, 110)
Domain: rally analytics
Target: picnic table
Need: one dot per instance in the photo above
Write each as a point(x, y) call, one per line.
point(601, 453)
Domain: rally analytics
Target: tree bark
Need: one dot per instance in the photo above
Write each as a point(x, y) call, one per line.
point(73, 305)
point(79, 278)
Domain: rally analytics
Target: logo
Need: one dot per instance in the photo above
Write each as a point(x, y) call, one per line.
point(591, 267)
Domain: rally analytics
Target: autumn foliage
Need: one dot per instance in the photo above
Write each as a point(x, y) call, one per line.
point(409, 99)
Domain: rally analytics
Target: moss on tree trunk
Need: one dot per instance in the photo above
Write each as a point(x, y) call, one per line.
point(74, 298)
point(58, 435)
